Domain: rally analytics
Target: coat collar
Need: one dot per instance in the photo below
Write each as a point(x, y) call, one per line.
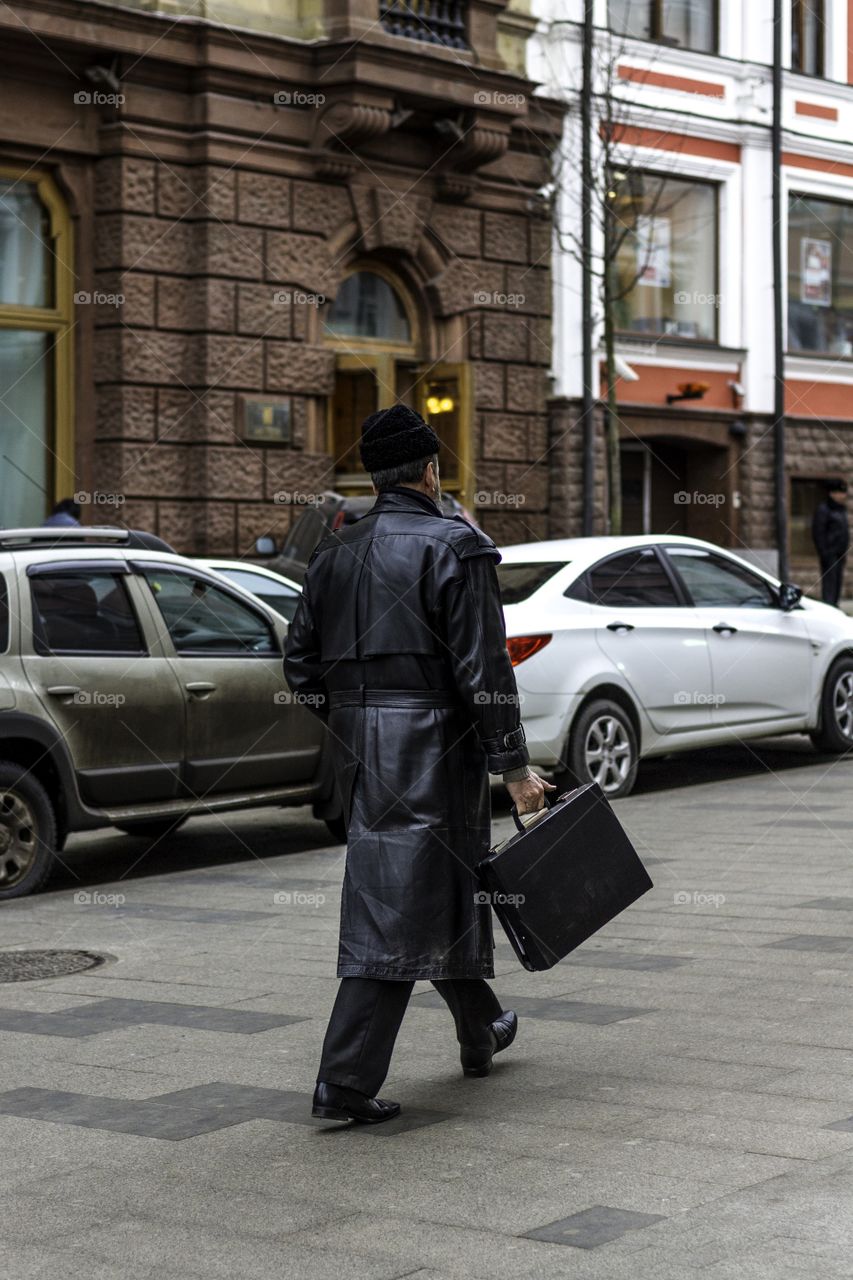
point(401, 498)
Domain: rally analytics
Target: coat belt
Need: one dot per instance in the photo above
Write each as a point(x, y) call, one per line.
point(392, 698)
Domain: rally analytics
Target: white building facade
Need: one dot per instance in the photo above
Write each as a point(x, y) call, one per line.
point(684, 88)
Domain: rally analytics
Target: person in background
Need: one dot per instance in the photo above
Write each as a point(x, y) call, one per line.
point(66, 514)
point(831, 536)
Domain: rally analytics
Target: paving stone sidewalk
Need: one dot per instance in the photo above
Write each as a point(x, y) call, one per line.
point(679, 1102)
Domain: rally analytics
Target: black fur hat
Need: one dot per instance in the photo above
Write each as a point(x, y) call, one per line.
point(393, 436)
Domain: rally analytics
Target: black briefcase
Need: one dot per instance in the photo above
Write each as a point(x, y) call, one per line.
point(565, 874)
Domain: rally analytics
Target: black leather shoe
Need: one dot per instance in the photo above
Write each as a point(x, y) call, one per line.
point(333, 1102)
point(478, 1062)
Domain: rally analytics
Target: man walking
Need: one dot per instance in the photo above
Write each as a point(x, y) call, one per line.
point(398, 642)
point(832, 539)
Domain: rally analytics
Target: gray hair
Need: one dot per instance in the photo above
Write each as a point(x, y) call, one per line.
point(403, 473)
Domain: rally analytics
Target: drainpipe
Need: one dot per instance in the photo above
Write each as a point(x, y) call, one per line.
point(779, 483)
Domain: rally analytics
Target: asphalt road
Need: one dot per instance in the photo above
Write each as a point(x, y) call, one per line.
point(679, 1101)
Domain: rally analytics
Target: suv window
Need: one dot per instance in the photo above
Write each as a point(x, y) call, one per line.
point(629, 580)
point(713, 580)
point(84, 612)
point(518, 582)
point(203, 619)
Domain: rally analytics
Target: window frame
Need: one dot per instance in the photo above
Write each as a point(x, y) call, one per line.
point(657, 37)
point(57, 321)
point(78, 569)
point(798, 20)
point(681, 598)
point(719, 556)
point(794, 190)
point(144, 568)
point(717, 185)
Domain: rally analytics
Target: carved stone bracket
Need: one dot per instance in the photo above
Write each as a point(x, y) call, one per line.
point(342, 128)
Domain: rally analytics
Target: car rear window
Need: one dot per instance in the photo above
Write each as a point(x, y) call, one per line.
point(519, 581)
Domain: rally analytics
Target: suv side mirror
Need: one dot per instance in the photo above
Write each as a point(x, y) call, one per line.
point(265, 546)
point(789, 596)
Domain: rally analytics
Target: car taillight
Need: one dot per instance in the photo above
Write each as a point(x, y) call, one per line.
point(523, 647)
point(340, 517)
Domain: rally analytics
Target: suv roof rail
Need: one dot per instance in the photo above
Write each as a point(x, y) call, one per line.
point(67, 536)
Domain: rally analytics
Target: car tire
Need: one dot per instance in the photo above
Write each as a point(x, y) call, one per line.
point(337, 828)
point(27, 832)
point(154, 829)
point(602, 729)
point(836, 710)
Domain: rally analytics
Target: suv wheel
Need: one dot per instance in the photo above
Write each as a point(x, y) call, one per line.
point(602, 749)
point(27, 832)
point(836, 710)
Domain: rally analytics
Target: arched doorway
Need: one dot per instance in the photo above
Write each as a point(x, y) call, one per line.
point(382, 342)
point(36, 313)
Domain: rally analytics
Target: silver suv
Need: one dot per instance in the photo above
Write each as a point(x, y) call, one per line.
point(137, 689)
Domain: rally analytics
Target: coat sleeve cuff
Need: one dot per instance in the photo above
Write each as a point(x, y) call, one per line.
point(507, 751)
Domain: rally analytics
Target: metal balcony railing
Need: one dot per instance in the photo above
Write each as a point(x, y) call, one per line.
point(433, 21)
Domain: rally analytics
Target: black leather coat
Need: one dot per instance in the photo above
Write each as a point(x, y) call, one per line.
point(398, 642)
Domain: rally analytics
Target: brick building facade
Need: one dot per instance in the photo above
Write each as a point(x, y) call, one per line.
point(220, 187)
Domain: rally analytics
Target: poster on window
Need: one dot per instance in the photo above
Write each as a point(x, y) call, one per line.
point(654, 238)
point(816, 272)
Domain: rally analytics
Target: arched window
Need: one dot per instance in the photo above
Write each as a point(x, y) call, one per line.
point(369, 307)
point(382, 356)
point(36, 302)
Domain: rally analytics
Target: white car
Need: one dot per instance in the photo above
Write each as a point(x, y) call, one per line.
point(276, 591)
point(632, 647)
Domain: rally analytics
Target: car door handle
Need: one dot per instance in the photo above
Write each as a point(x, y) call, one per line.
point(620, 626)
point(200, 688)
point(63, 690)
point(724, 629)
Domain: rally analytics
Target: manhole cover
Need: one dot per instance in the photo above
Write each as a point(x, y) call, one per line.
point(25, 966)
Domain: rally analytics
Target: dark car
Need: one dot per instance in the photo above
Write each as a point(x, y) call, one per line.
point(330, 511)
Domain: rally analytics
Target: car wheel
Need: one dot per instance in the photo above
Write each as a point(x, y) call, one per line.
point(836, 710)
point(154, 829)
point(602, 749)
point(337, 828)
point(27, 833)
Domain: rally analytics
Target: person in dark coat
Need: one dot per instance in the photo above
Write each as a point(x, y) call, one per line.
point(831, 536)
point(398, 642)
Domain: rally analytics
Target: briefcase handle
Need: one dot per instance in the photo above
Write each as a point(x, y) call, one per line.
point(549, 804)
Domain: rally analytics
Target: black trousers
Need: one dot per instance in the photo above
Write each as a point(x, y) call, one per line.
point(831, 576)
point(366, 1018)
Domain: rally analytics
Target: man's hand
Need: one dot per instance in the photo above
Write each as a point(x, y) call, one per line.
point(528, 795)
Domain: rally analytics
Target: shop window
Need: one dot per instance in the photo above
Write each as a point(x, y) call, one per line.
point(35, 348)
point(820, 276)
point(685, 24)
point(665, 255)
